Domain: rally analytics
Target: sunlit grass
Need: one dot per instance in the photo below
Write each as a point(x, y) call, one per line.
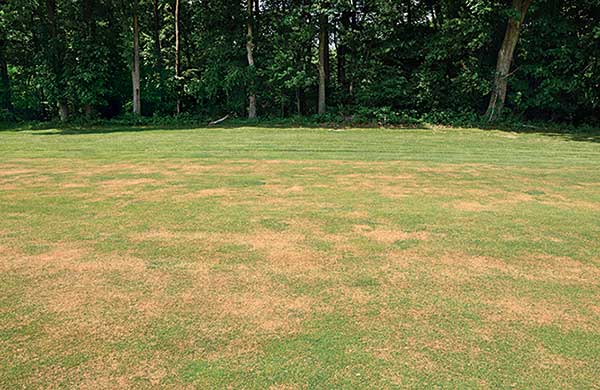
point(298, 258)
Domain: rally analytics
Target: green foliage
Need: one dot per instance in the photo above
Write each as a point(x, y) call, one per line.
point(386, 58)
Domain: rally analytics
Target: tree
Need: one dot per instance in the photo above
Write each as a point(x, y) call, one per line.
point(135, 71)
point(323, 61)
point(250, 55)
point(178, 53)
point(89, 38)
point(505, 58)
point(56, 56)
point(391, 58)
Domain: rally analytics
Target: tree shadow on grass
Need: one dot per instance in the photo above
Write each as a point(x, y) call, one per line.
point(107, 129)
point(568, 133)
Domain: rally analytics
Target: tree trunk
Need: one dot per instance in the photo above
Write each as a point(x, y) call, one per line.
point(159, 63)
point(90, 24)
point(63, 110)
point(250, 53)
point(156, 33)
point(135, 72)
point(88, 110)
point(323, 44)
point(178, 53)
point(505, 57)
point(56, 58)
point(298, 102)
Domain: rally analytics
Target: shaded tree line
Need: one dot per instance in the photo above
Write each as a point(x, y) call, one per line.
point(539, 59)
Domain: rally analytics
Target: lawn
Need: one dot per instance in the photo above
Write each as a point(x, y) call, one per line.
point(299, 259)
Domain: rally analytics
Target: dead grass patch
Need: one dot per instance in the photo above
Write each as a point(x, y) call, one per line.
point(208, 193)
point(470, 206)
point(67, 281)
point(390, 236)
point(73, 185)
point(282, 190)
point(557, 200)
point(15, 171)
point(475, 264)
point(356, 295)
point(268, 312)
point(548, 360)
point(490, 200)
point(287, 387)
point(286, 252)
point(119, 168)
point(511, 308)
point(560, 268)
point(124, 183)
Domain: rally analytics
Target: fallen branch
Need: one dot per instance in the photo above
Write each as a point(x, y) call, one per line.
point(219, 120)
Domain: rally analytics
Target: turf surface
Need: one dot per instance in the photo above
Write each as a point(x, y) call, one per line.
point(299, 258)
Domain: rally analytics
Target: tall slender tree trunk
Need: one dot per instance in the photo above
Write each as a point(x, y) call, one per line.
point(178, 53)
point(250, 54)
point(57, 59)
point(505, 58)
point(351, 56)
point(135, 71)
point(63, 110)
point(90, 24)
point(323, 50)
point(299, 97)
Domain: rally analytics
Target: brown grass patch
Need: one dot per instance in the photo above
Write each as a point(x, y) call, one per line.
point(73, 185)
point(457, 266)
point(356, 295)
point(560, 268)
point(475, 264)
point(9, 187)
point(8, 252)
point(280, 189)
point(209, 192)
point(382, 184)
point(285, 386)
point(491, 200)
point(119, 168)
point(14, 171)
point(510, 308)
point(562, 201)
point(470, 206)
point(268, 312)
point(160, 234)
point(390, 236)
point(285, 252)
point(66, 283)
point(123, 183)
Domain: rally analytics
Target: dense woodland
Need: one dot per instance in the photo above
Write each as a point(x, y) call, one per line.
point(531, 59)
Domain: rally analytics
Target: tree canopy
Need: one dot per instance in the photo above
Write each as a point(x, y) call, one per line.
point(538, 59)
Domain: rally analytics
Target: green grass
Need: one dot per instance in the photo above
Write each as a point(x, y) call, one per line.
point(299, 258)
